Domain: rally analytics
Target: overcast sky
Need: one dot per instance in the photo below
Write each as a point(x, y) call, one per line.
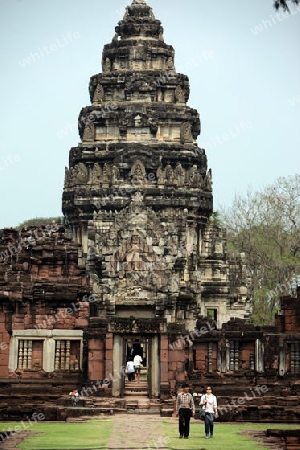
point(243, 62)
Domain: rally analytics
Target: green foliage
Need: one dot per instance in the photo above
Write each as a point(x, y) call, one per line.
point(284, 4)
point(40, 221)
point(265, 225)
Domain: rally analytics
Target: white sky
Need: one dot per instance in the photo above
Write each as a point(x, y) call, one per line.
point(245, 85)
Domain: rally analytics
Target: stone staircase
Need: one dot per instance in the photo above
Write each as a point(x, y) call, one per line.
point(136, 396)
point(135, 401)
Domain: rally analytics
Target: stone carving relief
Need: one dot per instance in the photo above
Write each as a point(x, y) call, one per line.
point(81, 174)
point(138, 257)
point(160, 175)
point(106, 174)
point(179, 173)
point(68, 178)
point(107, 65)
point(140, 52)
point(194, 177)
point(96, 174)
point(98, 94)
point(89, 132)
point(169, 173)
point(115, 174)
point(186, 133)
point(179, 95)
point(138, 173)
point(153, 124)
point(208, 180)
point(76, 175)
point(170, 63)
point(138, 122)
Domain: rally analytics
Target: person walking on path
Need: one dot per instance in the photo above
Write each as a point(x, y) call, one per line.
point(130, 370)
point(137, 362)
point(185, 409)
point(209, 403)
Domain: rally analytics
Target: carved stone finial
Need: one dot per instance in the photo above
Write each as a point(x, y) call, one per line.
point(138, 2)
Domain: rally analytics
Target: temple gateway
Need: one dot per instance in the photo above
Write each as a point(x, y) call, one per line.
point(140, 265)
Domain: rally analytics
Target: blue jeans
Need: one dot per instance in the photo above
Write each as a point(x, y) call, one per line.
point(209, 423)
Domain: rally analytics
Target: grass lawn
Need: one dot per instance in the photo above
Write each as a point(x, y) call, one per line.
point(226, 436)
point(90, 434)
point(94, 434)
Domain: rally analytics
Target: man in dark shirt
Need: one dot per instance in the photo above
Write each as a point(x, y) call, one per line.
point(185, 409)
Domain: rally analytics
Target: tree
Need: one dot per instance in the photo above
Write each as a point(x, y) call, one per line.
point(284, 4)
point(265, 225)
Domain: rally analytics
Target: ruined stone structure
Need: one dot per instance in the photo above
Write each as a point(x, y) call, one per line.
point(140, 264)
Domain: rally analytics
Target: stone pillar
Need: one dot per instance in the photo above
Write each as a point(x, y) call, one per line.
point(108, 356)
point(48, 354)
point(259, 356)
point(282, 357)
point(117, 378)
point(221, 358)
point(13, 354)
point(157, 376)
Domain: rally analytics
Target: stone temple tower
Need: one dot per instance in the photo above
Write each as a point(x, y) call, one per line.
point(138, 199)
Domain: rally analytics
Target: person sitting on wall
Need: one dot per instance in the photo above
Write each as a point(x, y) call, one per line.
point(73, 396)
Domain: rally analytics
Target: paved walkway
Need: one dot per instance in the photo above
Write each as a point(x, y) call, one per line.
point(137, 431)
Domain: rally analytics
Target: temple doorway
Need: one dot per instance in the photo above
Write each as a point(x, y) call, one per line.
point(125, 348)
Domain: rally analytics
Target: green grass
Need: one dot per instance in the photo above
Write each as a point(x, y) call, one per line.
point(226, 436)
point(94, 434)
point(91, 434)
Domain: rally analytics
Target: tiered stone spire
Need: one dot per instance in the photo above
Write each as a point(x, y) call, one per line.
point(139, 99)
point(137, 193)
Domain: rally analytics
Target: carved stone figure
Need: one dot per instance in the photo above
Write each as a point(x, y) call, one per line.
point(179, 174)
point(138, 173)
point(169, 173)
point(179, 95)
point(186, 133)
point(170, 63)
point(81, 173)
point(98, 94)
point(96, 174)
point(114, 174)
point(89, 132)
point(107, 65)
point(160, 174)
point(208, 180)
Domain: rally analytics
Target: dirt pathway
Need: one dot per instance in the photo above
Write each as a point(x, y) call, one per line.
point(133, 431)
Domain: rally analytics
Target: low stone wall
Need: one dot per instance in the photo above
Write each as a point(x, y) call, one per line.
point(289, 438)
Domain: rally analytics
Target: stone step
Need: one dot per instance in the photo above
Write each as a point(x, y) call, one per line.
point(137, 393)
point(144, 411)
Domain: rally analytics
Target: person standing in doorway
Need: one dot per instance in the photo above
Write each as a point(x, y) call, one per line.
point(185, 409)
point(209, 403)
point(137, 362)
